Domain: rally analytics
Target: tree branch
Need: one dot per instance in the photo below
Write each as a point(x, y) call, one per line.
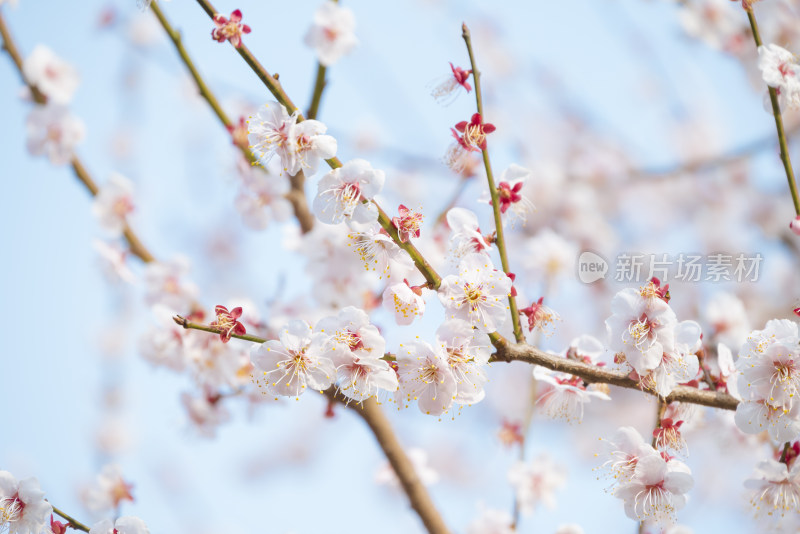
point(134, 243)
point(296, 195)
point(776, 113)
point(274, 86)
point(498, 220)
point(599, 375)
point(74, 523)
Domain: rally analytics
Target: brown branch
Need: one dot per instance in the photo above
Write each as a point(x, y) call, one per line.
point(381, 428)
point(599, 375)
point(134, 243)
point(371, 413)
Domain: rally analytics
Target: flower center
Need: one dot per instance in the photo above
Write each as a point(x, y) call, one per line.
point(11, 510)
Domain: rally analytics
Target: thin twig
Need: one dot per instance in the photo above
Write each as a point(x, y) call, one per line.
point(134, 243)
point(498, 220)
point(296, 195)
point(776, 112)
point(274, 86)
point(319, 86)
point(74, 523)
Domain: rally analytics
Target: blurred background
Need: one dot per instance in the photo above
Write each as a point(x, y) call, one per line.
point(642, 124)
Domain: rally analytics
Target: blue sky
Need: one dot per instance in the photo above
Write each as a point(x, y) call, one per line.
point(624, 67)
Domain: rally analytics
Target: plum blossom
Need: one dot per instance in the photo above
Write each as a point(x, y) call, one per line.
point(468, 137)
point(297, 362)
point(509, 193)
point(113, 203)
point(379, 252)
point(123, 525)
point(108, 490)
point(776, 487)
point(642, 327)
point(728, 377)
point(228, 322)
point(356, 349)
point(300, 146)
point(536, 482)
point(716, 22)
point(466, 235)
point(341, 193)
point(165, 284)
point(726, 315)
point(448, 89)
point(404, 301)
point(779, 69)
point(113, 258)
point(563, 395)
point(477, 294)
point(549, 256)
point(205, 412)
point(54, 77)
point(54, 132)
point(407, 224)
point(216, 364)
point(425, 376)
point(262, 197)
point(678, 365)
point(656, 490)
point(165, 344)
point(492, 521)
point(419, 459)
point(332, 33)
point(23, 509)
point(229, 29)
point(540, 317)
point(624, 450)
point(769, 381)
point(56, 527)
point(467, 352)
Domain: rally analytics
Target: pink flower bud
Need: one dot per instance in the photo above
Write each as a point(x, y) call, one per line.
point(795, 225)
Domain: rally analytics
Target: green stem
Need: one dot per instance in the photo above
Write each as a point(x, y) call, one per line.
point(319, 87)
point(776, 112)
point(182, 321)
point(498, 221)
point(74, 523)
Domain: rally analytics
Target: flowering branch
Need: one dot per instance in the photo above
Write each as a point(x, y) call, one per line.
point(776, 112)
point(371, 413)
point(498, 221)
point(598, 375)
point(74, 523)
point(135, 244)
point(508, 352)
point(274, 86)
point(296, 195)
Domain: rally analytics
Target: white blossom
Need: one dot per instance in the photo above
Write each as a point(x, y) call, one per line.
point(332, 33)
point(50, 74)
point(54, 132)
point(297, 362)
point(478, 294)
point(341, 192)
